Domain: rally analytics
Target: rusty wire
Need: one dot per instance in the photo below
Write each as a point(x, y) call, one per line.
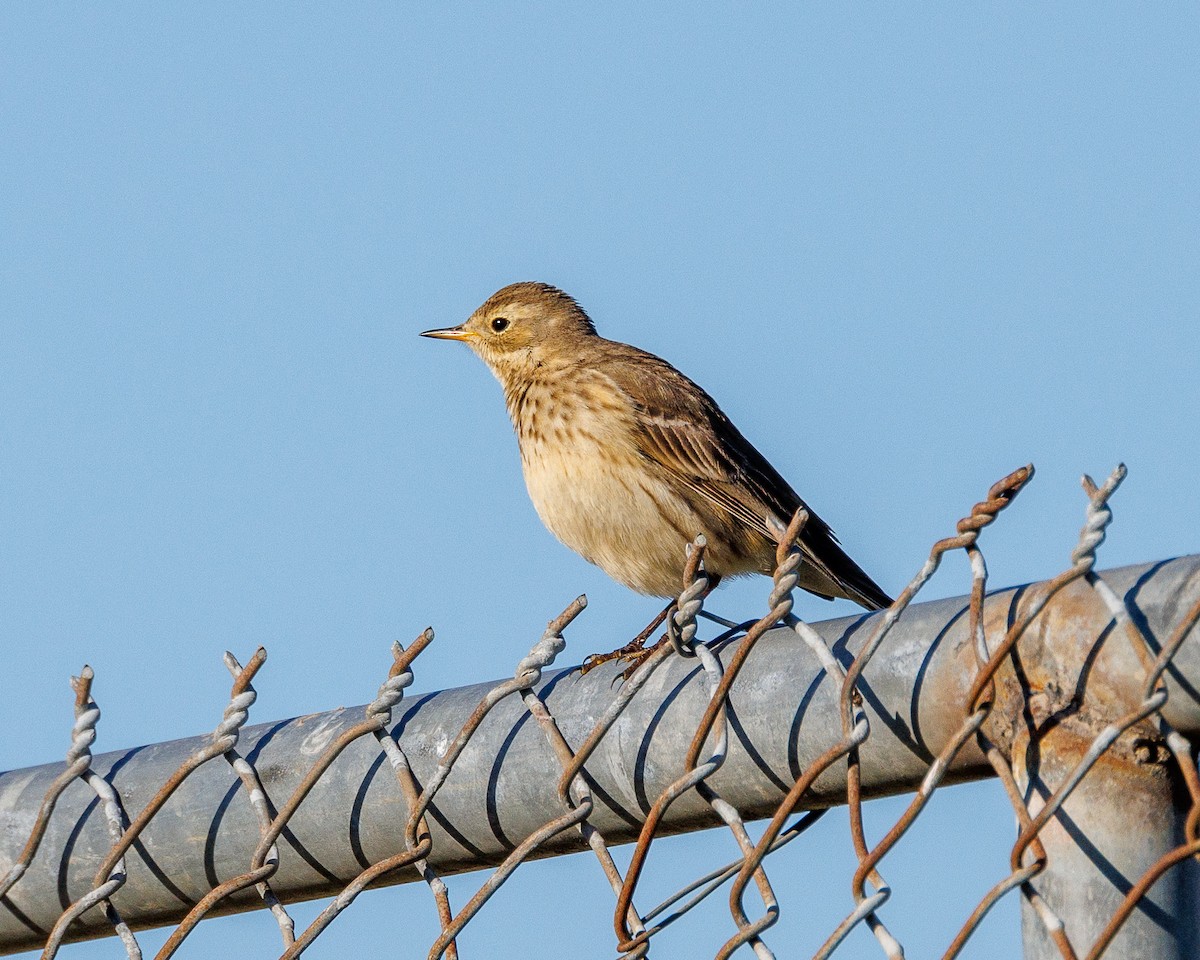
point(717, 675)
point(695, 774)
point(79, 760)
point(111, 875)
point(1083, 558)
point(856, 729)
point(236, 715)
point(527, 674)
point(264, 861)
point(378, 715)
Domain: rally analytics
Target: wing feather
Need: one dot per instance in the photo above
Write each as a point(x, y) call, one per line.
point(681, 428)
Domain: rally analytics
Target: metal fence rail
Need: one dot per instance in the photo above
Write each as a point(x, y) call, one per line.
point(1078, 693)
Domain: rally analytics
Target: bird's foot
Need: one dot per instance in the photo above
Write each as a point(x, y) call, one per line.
point(636, 658)
point(634, 650)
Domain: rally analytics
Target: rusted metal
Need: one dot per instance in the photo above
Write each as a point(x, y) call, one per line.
point(527, 675)
point(110, 875)
point(1100, 839)
point(721, 681)
point(264, 861)
point(982, 515)
point(1077, 693)
point(1185, 767)
point(932, 639)
point(79, 758)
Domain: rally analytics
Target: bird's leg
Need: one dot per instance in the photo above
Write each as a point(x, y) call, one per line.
point(635, 651)
point(635, 656)
point(694, 576)
point(633, 647)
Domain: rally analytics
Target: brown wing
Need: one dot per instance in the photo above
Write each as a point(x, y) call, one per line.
point(682, 428)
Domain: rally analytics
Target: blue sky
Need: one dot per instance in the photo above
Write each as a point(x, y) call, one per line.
point(908, 249)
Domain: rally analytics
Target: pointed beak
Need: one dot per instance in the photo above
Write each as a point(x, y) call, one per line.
point(449, 333)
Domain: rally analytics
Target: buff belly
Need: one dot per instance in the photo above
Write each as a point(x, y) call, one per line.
point(622, 517)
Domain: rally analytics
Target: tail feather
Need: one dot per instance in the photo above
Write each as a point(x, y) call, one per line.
point(832, 573)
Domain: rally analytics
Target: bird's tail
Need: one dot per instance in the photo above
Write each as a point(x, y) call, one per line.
point(829, 572)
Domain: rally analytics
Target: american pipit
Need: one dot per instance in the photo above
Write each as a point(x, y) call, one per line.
point(627, 460)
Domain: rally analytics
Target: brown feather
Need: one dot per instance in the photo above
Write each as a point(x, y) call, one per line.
point(626, 459)
point(682, 429)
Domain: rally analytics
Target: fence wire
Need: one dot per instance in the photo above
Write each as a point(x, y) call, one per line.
point(634, 926)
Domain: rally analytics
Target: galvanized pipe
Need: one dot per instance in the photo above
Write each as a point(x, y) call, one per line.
point(1111, 830)
point(784, 714)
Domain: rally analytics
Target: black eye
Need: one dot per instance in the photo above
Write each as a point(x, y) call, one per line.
point(500, 324)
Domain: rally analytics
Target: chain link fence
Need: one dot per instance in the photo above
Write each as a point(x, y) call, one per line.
point(1078, 694)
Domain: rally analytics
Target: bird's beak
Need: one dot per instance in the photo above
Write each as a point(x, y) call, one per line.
point(450, 333)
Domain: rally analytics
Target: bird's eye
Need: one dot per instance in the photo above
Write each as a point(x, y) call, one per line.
point(500, 324)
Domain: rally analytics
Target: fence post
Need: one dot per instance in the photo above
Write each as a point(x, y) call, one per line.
point(1111, 829)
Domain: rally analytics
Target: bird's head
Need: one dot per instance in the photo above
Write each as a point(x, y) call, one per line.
point(522, 326)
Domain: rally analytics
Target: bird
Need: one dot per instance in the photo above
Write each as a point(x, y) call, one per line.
point(627, 460)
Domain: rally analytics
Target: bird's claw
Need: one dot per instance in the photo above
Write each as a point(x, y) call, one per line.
point(634, 651)
point(635, 659)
